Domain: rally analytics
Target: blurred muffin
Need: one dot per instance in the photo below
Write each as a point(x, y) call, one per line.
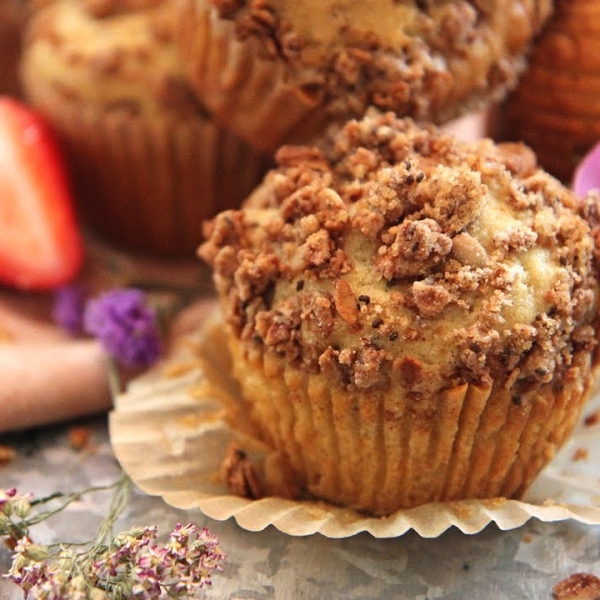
point(147, 160)
point(13, 17)
point(275, 70)
point(556, 107)
point(411, 318)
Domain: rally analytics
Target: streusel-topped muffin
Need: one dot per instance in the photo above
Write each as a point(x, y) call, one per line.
point(149, 163)
point(411, 318)
point(276, 70)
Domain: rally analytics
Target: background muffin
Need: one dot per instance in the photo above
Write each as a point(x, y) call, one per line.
point(411, 318)
point(13, 16)
point(555, 109)
point(148, 161)
point(276, 70)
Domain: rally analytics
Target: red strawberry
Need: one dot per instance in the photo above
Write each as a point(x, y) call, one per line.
point(40, 242)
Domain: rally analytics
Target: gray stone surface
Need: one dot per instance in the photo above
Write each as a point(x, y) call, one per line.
point(520, 564)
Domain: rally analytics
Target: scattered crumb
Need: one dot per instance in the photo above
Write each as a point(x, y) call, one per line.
point(79, 437)
point(7, 455)
point(592, 419)
point(580, 454)
point(240, 474)
point(579, 586)
point(527, 538)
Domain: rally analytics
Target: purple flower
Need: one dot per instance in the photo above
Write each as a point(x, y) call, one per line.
point(125, 326)
point(587, 174)
point(69, 301)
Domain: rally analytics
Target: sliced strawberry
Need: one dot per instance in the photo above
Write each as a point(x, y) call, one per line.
point(40, 241)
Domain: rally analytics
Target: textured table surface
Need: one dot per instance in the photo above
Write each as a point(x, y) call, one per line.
point(517, 564)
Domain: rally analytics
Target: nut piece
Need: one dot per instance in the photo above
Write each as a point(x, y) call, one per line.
point(345, 302)
point(468, 251)
point(579, 586)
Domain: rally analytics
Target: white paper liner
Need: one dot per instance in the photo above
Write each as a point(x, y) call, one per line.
point(170, 434)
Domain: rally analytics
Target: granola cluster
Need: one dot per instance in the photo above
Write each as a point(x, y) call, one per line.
point(396, 255)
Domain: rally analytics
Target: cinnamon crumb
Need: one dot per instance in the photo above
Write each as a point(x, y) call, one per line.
point(592, 419)
point(240, 474)
point(7, 455)
point(580, 454)
point(579, 586)
point(79, 437)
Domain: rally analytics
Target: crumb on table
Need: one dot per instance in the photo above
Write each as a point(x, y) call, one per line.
point(79, 437)
point(7, 455)
point(592, 419)
point(579, 586)
point(240, 474)
point(580, 454)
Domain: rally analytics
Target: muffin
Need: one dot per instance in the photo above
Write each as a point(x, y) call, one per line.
point(13, 16)
point(411, 318)
point(148, 162)
point(276, 70)
point(555, 108)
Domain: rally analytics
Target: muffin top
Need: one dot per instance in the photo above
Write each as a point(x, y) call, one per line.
point(115, 56)
point(397, 255)
point(429, 59)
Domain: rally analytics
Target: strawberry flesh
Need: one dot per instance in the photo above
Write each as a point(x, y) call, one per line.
point(40, 241)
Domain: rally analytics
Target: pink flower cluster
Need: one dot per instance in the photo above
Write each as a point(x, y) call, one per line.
point(179, 568)
point(129, 566)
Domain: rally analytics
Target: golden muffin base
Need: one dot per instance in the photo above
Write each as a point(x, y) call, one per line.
point(146, 185)
point(380, 452)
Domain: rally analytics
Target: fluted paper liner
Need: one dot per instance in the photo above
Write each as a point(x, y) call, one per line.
point(170, 431)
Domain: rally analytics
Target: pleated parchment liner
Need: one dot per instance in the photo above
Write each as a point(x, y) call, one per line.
point(170, 431)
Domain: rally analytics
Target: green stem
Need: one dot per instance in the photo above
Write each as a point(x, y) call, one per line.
point(121, 482)
point(118, 504)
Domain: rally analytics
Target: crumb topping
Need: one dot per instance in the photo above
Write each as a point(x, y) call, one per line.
point(579, 586)
point(395, 254)
point(423, 59)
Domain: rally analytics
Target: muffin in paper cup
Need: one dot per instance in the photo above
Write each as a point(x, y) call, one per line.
point(411, 318)
point(174, 424)
point(277, 71)
point(148, 162)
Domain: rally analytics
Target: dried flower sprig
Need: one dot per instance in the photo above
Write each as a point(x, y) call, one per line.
point(126, 566)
